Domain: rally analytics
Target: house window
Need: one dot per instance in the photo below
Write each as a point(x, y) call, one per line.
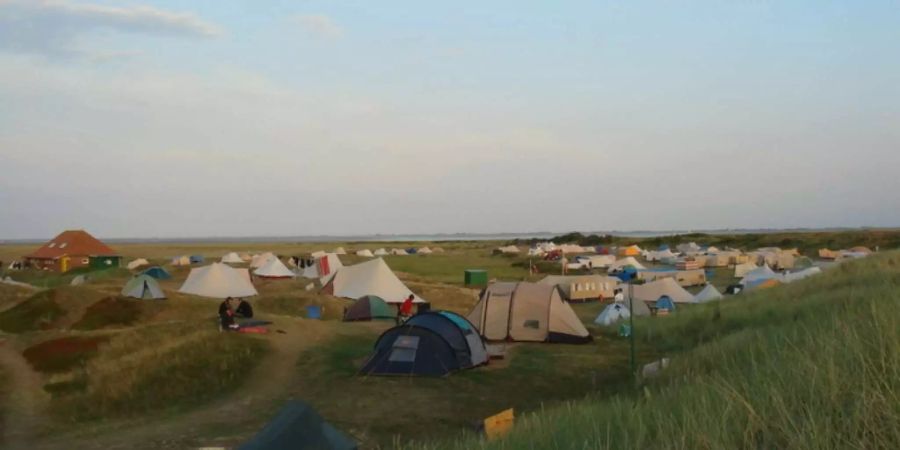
point(63, 245)
point(52, 244)
point(85, 261)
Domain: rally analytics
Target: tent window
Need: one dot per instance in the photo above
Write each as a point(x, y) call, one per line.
point(404, 349)
point(536, 324)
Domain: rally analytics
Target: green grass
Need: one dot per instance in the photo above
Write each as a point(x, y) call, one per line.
point(51, 279)
point(159, 370)
point(449, 268)
point(110, 311)
point(811, 365)
point(380, 410)
point(38, 312)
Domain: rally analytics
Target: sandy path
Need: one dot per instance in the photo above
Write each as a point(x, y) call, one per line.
point(229, 420)
point(23, 401)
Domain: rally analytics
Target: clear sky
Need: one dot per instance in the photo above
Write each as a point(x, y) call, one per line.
point(246, 117)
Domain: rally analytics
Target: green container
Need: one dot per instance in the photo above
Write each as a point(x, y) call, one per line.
point(476, 277)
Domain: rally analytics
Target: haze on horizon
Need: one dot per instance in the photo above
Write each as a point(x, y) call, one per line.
point(235, 118)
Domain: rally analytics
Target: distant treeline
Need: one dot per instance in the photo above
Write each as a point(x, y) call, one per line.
point(807, 242)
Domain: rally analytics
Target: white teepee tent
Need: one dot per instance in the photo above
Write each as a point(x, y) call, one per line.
point(369, 278)
point(274, 269)
point(218, 280)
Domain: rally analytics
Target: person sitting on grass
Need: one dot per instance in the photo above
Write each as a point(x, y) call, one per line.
point(244, 309)
point(226, 315)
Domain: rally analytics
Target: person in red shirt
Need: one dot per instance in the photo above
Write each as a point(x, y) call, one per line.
point(406, 309)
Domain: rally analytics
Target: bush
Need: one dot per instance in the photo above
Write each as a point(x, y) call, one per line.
point(62, 355)
point(107, 312)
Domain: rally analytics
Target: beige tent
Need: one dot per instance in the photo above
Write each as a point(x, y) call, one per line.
point(380, 252)
point(651, 292)
point(587, 287)
point(218, 281)
point(181, 261)
point(741, 270)
point(246, 257)
point(366, 253)
point(694, 277)
point(508, 250)
point(274, 268)
point(138, 263)
point(323, 267)
point(399, 252)
point(825, 253)
point(708, 294)
point(627, 261)
point(339, 251)
point(261, 259)
point(369, 278)
point(232, 258)
point(526, 312)
point(424, 251)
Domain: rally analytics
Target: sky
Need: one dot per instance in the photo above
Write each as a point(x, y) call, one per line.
point(273, 118)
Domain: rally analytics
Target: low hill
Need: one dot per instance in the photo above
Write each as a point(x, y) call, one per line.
point(811, 365)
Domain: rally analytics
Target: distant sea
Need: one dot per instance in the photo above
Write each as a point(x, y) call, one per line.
point(428, 237)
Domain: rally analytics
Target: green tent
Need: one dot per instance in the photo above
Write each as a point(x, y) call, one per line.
point(143, 287)
point(369, 307)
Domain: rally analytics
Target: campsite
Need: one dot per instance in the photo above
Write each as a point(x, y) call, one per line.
point(134, 357)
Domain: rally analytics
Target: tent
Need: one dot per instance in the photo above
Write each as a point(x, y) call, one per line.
point(860, 249)
point(599, 260)
point(232, 258)
point(143, 287)
point(580, 288)
point(741, 270)
point(369, 278)
point(627, 261)
point(651, 292)
point(366, 253)
point(508, 250)
point(369, 307)
point(246, 257)
point(526, 312)
point(802, 262)
point(709, 293)
point(762, 283)
point(399, 252)
point(261, 259)
point(318, 254)
point(687, 248)
point(758, 274)
point(157, 272)
point(274, 269)
point(78, 280)
point(218, 280)
point(380, 252)
point(181, 261)
point(423, 251)
point(197, 259)
point(339, 251)
point(433, 343)
point(631, 250)
point(298, 426)
point(137, 263)
point(799, 275)
point(665, 302)
point(734, 289)
point(825, 253)
point(612, 314)
point(323, 267)
point(411, 251)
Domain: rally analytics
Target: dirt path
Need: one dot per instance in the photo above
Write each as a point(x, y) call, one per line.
point(23, 401)
point(228, 420)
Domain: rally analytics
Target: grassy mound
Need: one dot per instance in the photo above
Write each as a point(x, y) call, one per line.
point(161, 369)
point(109, 312)
point(811, 365)
point(38, 312)
point(63, 354)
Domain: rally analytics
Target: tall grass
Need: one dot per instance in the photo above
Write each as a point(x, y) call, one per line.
point(161, 369)
point(815, 365)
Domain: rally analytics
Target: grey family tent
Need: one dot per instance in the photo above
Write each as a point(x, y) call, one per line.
point(369, 307)
point(298, 426)
point(526, 312)
point(144, 287)
point(708, 294)
point(612, 314)
point(432, 343)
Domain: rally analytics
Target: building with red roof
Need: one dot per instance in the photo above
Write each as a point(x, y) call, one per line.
point(73, 249)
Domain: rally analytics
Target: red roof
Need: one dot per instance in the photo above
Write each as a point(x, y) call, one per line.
point(73, 243)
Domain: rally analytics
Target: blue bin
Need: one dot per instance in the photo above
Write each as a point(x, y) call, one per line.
point(314, 312)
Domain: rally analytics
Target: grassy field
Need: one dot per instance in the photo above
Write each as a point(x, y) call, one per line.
point(811, 365)
point(164, 360)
